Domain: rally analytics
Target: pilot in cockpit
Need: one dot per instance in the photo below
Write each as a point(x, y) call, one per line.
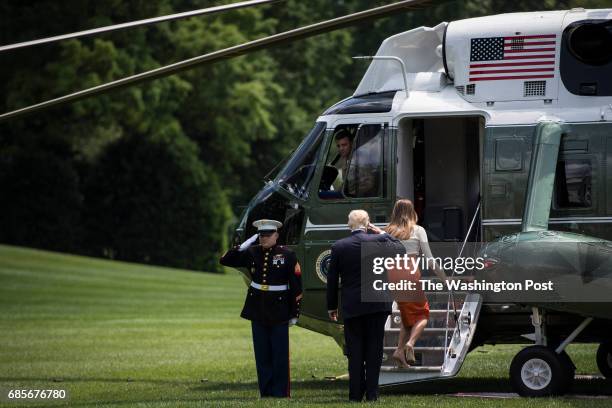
point(344, 144)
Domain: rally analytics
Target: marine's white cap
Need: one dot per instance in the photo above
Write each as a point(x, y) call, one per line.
point(267, 225)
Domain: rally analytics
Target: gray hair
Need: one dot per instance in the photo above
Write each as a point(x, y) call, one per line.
point(358, 219)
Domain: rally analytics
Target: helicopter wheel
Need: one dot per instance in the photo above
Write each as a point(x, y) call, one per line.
point(604, 359)
point(538, 371)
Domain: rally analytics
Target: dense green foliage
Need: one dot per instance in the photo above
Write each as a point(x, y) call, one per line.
point(167, 214)
point(244, 114)
point(41, 202)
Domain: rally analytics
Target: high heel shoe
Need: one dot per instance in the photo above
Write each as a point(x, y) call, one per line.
point(399, 361)
point(410, 358)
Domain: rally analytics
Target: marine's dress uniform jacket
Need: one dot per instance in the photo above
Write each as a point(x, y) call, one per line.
point(274, 266)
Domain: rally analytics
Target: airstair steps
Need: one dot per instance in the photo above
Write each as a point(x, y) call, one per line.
point(437, 319)
point(445, 342)
point(440, 300)
point(432, 337)
point(441, 349)
point(429, 330)
point(425, 356)
point(412, 369)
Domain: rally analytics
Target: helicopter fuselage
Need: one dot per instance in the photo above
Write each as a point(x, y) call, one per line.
point(452, 128)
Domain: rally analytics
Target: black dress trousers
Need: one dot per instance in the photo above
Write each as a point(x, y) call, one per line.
point(364, 345)
point(271, 346)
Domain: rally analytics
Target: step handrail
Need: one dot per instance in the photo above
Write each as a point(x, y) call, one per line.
point(451, 298)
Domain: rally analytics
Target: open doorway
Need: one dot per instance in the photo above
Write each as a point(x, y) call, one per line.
point(438, 168)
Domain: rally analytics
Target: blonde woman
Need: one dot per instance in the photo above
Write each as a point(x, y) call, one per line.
point(414, 314)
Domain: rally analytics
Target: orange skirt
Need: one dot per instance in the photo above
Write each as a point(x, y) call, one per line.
point(412, 312)
point(418, 308)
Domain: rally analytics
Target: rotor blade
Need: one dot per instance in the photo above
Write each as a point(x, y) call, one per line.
point(137, 23)
point(303, 32)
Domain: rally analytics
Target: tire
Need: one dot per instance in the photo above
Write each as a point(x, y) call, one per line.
point(570, 371)
point(538, 371)
point(604, 359)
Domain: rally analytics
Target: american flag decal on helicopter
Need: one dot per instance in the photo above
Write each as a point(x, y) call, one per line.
point(515, 57)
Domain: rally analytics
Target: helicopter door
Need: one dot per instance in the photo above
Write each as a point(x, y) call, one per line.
point(353, 173)
point(439, 169)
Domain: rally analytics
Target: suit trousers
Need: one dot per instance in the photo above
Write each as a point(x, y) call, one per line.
point(271, 346)
point(364, 345)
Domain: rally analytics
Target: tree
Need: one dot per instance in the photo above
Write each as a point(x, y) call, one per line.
point(151, 200)
point(41, 201)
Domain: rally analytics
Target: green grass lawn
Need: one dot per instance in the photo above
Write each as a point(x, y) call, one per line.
point(118, 334)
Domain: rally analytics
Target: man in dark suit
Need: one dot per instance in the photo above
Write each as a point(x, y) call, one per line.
point(364, 323)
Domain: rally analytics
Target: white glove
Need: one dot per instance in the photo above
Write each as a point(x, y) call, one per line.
point(293, 321)
point(248, 243)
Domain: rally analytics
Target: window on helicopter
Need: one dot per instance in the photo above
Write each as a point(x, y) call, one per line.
point(573, 182)
point(336, 163)
point(295, 177)
point(353, 164)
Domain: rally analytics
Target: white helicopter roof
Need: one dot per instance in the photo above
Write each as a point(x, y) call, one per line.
point(504, 67)
point(418, 49)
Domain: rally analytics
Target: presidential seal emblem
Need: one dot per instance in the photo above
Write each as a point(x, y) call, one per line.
point(322, 265)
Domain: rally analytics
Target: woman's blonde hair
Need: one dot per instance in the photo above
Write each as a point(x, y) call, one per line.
point(403, 219)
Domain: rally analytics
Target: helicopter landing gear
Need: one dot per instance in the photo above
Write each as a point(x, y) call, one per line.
point(539, 370)
point(604, 359)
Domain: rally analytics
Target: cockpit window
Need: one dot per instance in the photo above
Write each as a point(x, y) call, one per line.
point(364, 171)
point(297, 173)
point(354, 166)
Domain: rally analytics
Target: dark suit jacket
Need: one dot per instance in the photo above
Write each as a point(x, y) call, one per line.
point(345, 264)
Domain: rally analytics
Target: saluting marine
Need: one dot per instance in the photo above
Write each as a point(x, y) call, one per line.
point(272, 303)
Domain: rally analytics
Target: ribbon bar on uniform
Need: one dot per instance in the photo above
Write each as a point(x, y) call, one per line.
point(269, 287)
